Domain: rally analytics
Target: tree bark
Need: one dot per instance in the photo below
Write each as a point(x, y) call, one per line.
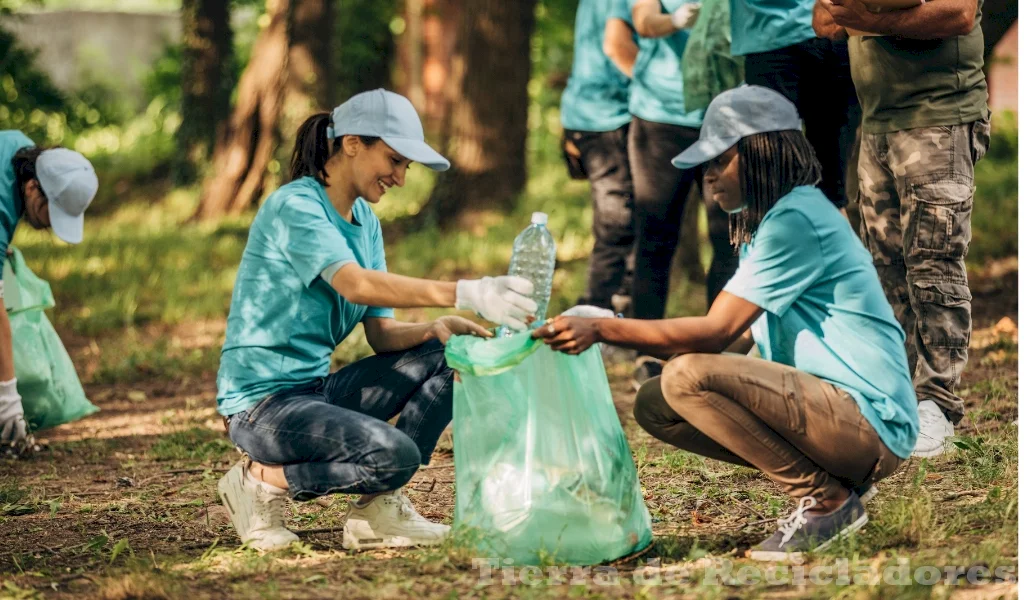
point(207, 80)
point(488, 127)
point(246, 147)
point(309, 85)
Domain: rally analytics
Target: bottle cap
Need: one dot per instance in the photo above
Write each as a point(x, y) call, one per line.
point(539, 218)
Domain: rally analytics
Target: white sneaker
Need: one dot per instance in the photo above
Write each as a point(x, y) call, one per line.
point(935, 430)
point(256, 509)
point(389, 521)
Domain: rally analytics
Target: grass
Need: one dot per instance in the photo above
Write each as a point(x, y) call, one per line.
point(122, 504)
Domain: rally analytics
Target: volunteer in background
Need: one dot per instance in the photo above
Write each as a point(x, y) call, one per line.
point(830, 409)
point(782, 53)
point(920, 77)
point(50, 188)
point(661, 129)
point(313, 268)
point(595, 118)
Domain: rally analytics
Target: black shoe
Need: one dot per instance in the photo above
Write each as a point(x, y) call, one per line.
point(647, 367)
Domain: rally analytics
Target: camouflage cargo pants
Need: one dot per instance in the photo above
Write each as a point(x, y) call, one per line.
point(916, 195)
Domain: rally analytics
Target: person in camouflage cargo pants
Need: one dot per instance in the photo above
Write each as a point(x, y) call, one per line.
point(916, 196)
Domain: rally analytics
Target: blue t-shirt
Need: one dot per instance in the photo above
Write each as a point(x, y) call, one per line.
point(596, 97)
point(12, 205)
point(285, 320)
point(825, 312)
point(657, 91)
point(765, 25)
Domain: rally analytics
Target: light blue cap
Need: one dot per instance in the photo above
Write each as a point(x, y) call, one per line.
point(390, 117)
point(735, 114)
point(69, 183)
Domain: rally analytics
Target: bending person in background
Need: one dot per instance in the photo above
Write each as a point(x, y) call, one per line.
point(50, 188)
point(313, 268)
point(595, 117)
point(831, 410)
point(660, 130)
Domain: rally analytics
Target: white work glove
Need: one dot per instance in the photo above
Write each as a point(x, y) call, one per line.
point(14, 433)
point(686, 15)
point(501, 300)
point(589, 312)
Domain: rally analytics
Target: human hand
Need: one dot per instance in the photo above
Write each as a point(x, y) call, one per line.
point(686, 15)
point(571, 335)
point(447, 326)
point(851, 14)
point(503, 300)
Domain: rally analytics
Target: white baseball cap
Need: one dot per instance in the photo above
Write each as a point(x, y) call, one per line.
point(735, 114)
point(69, 183)
point(390, 117)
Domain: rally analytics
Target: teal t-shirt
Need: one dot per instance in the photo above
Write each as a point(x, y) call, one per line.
point(596, 98)
point(657, 91)
point(825, 312)
point(12, 205)
point(765, 25)
point(285, 320)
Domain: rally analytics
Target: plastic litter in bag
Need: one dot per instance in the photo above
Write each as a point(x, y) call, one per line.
point(543, 469)
point(51, 392)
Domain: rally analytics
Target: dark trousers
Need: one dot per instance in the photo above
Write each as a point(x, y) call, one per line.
point(660, 191)
point(333, 436)
point(606, 162)
point(815, 76)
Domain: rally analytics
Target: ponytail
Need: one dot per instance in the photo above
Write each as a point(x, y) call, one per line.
point(312, 149)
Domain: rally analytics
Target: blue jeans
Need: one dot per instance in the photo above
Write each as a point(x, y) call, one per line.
point(332, 436)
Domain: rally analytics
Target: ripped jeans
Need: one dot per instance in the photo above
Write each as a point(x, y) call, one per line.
point(332, 435)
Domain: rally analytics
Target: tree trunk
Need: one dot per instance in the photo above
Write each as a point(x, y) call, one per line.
point(488, 122)
point(207, 79)
point(309, 85)
point(246, 147)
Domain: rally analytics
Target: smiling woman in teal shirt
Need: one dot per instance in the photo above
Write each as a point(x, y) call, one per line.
point(313, 268)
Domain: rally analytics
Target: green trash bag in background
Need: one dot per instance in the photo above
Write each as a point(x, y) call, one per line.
point(50, 390)
point(543, 471)
point(709, 68)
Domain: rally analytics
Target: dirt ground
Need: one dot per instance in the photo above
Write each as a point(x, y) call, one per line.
point(122, 504)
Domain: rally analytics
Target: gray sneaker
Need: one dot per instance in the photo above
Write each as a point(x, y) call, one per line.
point(802, 532)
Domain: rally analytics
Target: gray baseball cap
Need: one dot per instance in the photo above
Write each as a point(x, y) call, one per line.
point(69, 183)
point(390, 117)
point(735, 114)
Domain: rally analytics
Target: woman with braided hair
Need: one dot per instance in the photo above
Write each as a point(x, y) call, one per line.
point(832, 409)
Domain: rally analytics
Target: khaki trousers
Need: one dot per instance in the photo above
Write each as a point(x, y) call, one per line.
point(803, 433)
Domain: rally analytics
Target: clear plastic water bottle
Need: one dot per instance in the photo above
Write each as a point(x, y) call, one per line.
point(533, 257)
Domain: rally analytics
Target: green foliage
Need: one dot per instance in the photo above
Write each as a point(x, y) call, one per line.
point(994, 220)
point(196, 445)
point(365, 45)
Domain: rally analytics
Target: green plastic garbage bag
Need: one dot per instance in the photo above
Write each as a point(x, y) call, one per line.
point(709, 68)
point(50, 390)
point(543, 470)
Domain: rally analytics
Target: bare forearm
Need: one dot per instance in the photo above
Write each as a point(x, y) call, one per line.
point(930, 21)
point(663, 338)
point(6, 346)
point(933, 20)
point(375, 288)
point(398, 335)
point(619, 46)
point(650, 22)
